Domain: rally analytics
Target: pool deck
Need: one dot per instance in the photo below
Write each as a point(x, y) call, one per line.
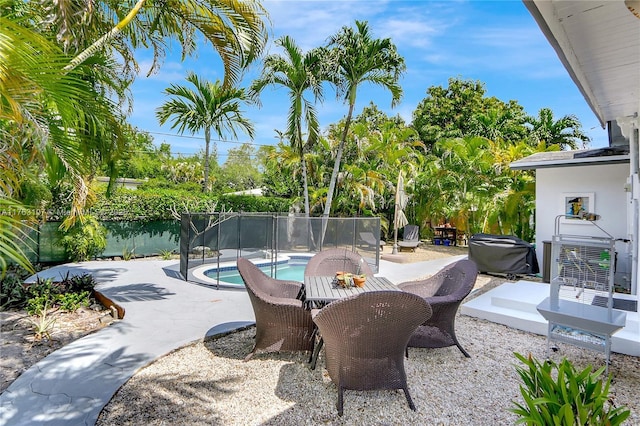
point(163, 313)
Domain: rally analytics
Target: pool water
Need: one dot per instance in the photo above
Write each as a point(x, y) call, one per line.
point(292, 272)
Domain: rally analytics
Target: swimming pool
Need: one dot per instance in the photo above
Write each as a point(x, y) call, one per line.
point(290, 268)
point(283, 272)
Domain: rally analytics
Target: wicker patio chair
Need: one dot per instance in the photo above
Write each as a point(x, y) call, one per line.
point(365, 339)
point(328, 262)
point(444, 292)
point(282, 322)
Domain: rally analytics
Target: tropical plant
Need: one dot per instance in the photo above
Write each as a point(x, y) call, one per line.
point(12, 232)
point(566, 132)
point(560, 394)
point(71, 302)
point(354, 57)
point(298, 72)
point(77, 283)
point(13, 295)
point(462, 109)
point(127, 253)
point(43, 323)
point(240, 171)
point(235, 29)
point(85, 239)
point(166, 254)
point(210, 106)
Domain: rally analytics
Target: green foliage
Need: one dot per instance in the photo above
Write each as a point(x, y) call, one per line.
point(461, 109)
point(43, 324)
point(77, 283)
point(38, 304)
point(71, 302)
point(127, 253)
point(84, 240)
point(70, 293)
point(141, 158)
point(39, 295)
point(13, 294)
point(558, 394)
point(166, 254)
point(240, 171)
point(12, 232)
point(151, 206)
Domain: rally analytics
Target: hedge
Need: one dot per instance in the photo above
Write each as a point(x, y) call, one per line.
point(145, 206)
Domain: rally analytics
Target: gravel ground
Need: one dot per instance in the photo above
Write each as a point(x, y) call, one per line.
point(208, 383)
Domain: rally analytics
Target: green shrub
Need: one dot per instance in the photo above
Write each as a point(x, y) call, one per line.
point(38, 304)
point(558, 394)
point(40, 294)
point(166, 254)
point(71, 302)
point(151, 206)
point(84, 240)
point(127, 254)
point(12, 294)
point(70, 293)
point(77, 283)
point(43, 324)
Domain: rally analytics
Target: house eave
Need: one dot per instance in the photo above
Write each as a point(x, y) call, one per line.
point(531, 164)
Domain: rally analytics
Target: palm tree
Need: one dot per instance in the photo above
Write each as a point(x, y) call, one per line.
point(235, 29)
point(210, 106)
point(298, 73)
point(355, 58)
point(42, 109)
point(564, 132)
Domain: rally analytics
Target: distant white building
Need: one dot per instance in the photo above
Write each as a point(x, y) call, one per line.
point(123, 182)
point(254, 191)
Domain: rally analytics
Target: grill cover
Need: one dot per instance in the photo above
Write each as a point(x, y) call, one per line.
point(505, 254)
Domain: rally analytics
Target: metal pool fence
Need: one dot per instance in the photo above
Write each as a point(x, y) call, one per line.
point(219, 237)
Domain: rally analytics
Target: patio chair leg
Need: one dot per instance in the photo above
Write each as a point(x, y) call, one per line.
point(316, 352)
point(461, 348)
point(340, 400)
point(313, 343)
point(409, 400)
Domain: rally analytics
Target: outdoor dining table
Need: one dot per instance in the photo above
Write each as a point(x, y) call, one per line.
point(323, 290)
point(320, 291)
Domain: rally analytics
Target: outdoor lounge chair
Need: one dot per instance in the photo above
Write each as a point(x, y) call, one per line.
point(410, 238)
point(365, 339)
point(328, 262)
point(282, 322)
point(371, 240)
point(444, 292)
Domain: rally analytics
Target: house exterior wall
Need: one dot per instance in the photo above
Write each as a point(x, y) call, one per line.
point(611, 202)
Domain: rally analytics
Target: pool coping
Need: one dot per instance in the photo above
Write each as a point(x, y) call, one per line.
point(198, 273)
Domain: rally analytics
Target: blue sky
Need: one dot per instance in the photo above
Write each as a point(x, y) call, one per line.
point(496, 42)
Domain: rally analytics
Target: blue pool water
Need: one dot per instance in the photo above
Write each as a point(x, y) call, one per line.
point(285, 271)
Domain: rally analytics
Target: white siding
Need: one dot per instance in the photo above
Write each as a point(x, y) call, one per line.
point(611, 202)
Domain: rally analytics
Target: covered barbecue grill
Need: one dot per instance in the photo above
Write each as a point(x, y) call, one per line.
point(504, 254)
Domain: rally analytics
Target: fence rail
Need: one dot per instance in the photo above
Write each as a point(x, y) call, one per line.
point(218, 237)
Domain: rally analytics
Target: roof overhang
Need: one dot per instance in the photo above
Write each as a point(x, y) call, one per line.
point(598, 42)
point(582, 157)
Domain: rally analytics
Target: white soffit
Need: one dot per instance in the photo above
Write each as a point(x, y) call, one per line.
point(598, 42)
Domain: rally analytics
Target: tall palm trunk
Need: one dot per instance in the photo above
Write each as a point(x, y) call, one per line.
point(102, 41)
point(305, 189)
point(336, 164)
point(207, 141)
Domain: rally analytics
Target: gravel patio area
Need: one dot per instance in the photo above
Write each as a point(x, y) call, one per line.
point(209, 383)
